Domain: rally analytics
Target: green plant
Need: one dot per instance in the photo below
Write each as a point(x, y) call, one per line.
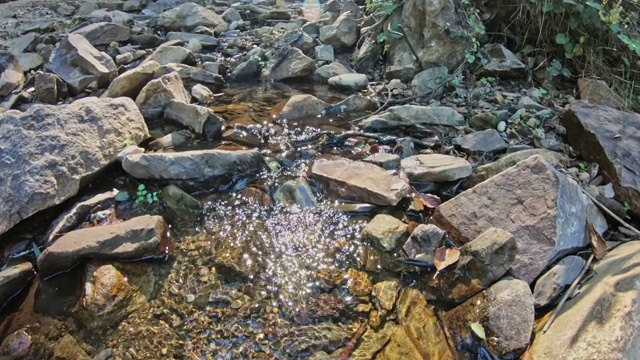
point(582, 166)
point(487, 80)
point(128, 142)
point(556, 68)
point(456, 81)
point(542, 91)
point(388, 34)
point(143, 195)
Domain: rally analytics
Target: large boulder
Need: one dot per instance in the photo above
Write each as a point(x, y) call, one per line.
point(601, 321)
point(11, 76)
point(80, 65)
point(412, 117)
point(131, 82)
point(612, 139)
point(544, 210)
point(189, 16)
point(48, 151)
point(158, 93)
point(292, 64)
point(104, 33)
point(342, 34)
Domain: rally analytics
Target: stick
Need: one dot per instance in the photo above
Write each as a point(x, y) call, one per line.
point(605, 209)
point(568, 294)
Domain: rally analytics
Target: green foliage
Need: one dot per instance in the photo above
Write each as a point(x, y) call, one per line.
point(143, 195)
point(487, 80)
point(473, 32)
point(582, 166)
point(382, 6)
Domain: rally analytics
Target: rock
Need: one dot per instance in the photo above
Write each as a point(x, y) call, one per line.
point(115, 16)
point(157, 94)
point(430, 83)
point(129, 240)
point(277, 14)
point(482, 261)
point(613, 144)
point(202, 94)
point(302, 106)
point(358, 283)
point(542, 208)
point(386, 232)
point(189, 16)
point(11, 76)
point(16, 345)
point(480, 142)
point(131, 82)
point(80, 65)
point(192, 76)
point(384, 160)
point(598, 92)
point(422, 244)
point(484, 172)
point(600, 321)
point(199, 165)
point(386, 292)
point(295, 192)
point(550, 285)
point(146, 41)
point(13, 279)
point(207, 41)
point(239, 136)
point(248, 70)
point(350, 81)
point(25, 43)
point(76, 215)
point(29, 61)
point(412, 116)
point(68, 348)
point(503, 64)
point(197, 118)
point(359, 181)
point(170, 54)
point(325, 72)
point(483, 121)
point(427, 24)
point(46, 86)
point(180, 205)
point(373, 341)
point(367, 55)
point(528, 103)
point(104, 33)
point(231, 14)
point(292, 64)
point(436, 167)
point(354, 103)
point(505, 311)
point(342, 34)
point(73, 142)
point(323, 53)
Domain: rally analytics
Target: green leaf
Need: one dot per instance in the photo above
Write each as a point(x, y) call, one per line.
point(381, 37)
point(594, 5)
point(478, 330)
point(562, 38)
point(141, 187)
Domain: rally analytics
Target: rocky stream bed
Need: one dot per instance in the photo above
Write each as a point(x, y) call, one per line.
point(269, 180)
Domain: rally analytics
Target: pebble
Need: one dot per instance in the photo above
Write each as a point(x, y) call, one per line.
point(502, 126)
point(190, 298)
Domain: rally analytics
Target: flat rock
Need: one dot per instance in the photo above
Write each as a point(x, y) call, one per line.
point(77, 214)
point(195, 117)
point(68, 348)
point(189, 16)
point(207, 41)
point(359, 181)
point(599, 93)
point(413, 116)
point(46, 164)
point(104, 33)
point(131, 82)
point(614, 144)
point(544, 210)
point(480, 142)
point(199, 165)
point(384, 160)
point(302, 106)
point(325, 72)
point(129, 240)
point(11, 76)
point(354, 103)
point(601, 321)
point(349, 81)
point(436, 167)
point(386, 293)
point(551, 284)
point(13, 279)
point(30, 61)
point(292, 64)
point(157, 94)
point(323, 53)
point(386, 231)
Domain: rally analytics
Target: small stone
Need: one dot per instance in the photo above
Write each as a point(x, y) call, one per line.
point(483, 121)
point(68, 348)
point(302, 106)
point(189, 16)
point(325, 72)
point(358, 283)
point(422, 244)
point(386, 231)
point(202, 94)
point(180, 205)
point(436, 168)
point(158, 93)
point(16, 345)
point(170, 54)
point(502, 126)
point(551, 284)
point(384, 160)
point(293, 64)
point(607, 191)
point(11, 76)
point(502, 63)
point(342, 34)
point(349, 81)
point(324, 53)
point(599, 93)
point(131, 82)
point(386, 293)
point(104, 33)
point(296, 192)
point(413, 117)
point(430, 83)
point(485, 141)
point(529, 104)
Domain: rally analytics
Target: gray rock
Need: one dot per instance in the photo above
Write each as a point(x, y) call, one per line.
point(325, 72)
point(146, 41)
point(197, 118)
point(80, 65)
point(180, 205)
point(526, 102)
point(323, 53)
point(11, 76)
point(131, 82)
point(436, 167)
point(366, 56)
point(413, 116)
point(48, 87)
point(202, 94)
point(480, 142)
point(170, 54)
point(72, 219)
point(342, 34)
point(248, 70)
point(551, 284)
point(115, 16)
point(386, 232)
point(207, 41)
point(29, 61)
point(25, 43)
point(44, 170)
point(430, 83)
point(422, 244)
point(295, 192)
point(502, 63)
point(349, 81)
point(13, 279)
point(200, 165)
point(354, 103)
point(359, 181)
point(292, 64)
point(599, 93)
point(129, 240)
point(104, 33)
point(231, 14)
point(384, 160)
point(129, 150)
point(158, 93)
point(189, 16)
point(302, 106)
point(192, 76)
point(68, 348)
point(542, 208)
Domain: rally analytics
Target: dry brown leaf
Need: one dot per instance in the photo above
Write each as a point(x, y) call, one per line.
point(430, 201)
point(417, 203)
point(598, 245)
point(445, 257)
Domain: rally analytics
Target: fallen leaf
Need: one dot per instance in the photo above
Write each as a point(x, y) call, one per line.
point(598, 245)
point(430, 201)
point(418, 204)
point(445, 257)
point(478, 330)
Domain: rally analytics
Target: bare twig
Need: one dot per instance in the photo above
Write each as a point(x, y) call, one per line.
point(413, 50)
point(605, 209)
point(568, 294)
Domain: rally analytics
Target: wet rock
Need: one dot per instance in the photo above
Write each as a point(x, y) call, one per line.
point(240, 136)
point(430, 83)
point(295, 192)
point(76, 215)
point(550, 285)
point(11, 76)
point(386, 232)
point(505, 311)
point(599, 93)
point(16, 345)
point(367, 55)
point(171, 54)
point(373, 341)
point(137, 238)
point(600, 321)
point(350, 81)
point(484, 172)
point(323, 53)
point(354, 103)
point(480, 142)
point(482, 261)
point(342, 34)
point(68, 348)
point(192, 76)
point(292, 64)
point(131, 82)
point(358, 283)
point(180, 205)
point(542, 208)
point(13, 279)
point(484, 121)
point(157, 94)
point(386, 293)
point(436, 167)
point(325, 72)
point(47, 86)
point(359, 181)
point(422, 244)
point(199, 165)
point(44, 170)
point(302, 106)
point(613, 144)
point(104, 33)
point(189, 16)
point(413, 116)
point(207, 41)
point(384, 160)
point(502, 64)
point(197, 118)
point(80, 65)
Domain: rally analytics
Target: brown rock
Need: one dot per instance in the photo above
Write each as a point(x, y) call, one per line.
point(68, 348)
point(612, 139)
point(386, 293)
point(386, 231)
point(13, 279)
point(598, 92)
point(358, 283)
